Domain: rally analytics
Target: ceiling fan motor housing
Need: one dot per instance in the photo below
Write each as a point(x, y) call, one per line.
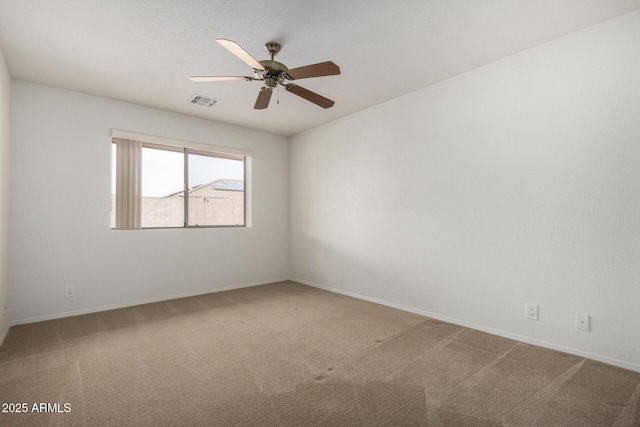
point(271, 81)
point(273, 72)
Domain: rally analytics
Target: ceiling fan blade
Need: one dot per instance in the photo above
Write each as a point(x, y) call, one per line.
point(310, 96)
point(220, 78)
point(238, 51)
point(316, 70)
point(263, 98)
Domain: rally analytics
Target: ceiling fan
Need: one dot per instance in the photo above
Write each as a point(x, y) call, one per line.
point(274, 73)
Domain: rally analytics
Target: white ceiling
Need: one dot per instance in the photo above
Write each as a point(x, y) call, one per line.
point(143, 51)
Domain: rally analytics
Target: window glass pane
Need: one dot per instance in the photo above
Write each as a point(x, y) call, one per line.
point(162, 188)
point(216, 191)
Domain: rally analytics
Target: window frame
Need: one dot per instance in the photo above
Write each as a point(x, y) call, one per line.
point(186, 148)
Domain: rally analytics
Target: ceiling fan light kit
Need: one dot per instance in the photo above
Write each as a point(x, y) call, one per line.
point(274, 73)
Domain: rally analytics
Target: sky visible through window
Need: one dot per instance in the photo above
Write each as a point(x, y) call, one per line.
point(163, 171)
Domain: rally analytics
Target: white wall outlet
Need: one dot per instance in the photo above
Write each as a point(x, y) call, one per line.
point(582, 322)
point(69, 291)
point(312, 268)
point(531, 311)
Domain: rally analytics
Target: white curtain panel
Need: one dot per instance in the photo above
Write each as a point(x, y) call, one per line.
point(128, 184)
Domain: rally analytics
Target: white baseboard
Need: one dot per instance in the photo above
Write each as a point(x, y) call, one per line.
point(479, 327)
point(138, 302)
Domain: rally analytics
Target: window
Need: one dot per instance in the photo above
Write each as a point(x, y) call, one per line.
point(162, 183)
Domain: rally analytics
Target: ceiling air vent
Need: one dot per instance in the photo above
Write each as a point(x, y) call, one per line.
point(203, 101)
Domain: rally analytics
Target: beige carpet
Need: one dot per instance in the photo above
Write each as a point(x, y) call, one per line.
point(285, 354)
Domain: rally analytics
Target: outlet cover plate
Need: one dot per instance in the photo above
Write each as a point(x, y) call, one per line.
point(69, 291)
point(582, 322)
point(531, 311)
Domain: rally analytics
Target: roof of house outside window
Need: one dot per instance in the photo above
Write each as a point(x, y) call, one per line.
point(228, 184)
point(218, 189)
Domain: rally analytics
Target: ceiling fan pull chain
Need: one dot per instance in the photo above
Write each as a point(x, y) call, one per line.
point(278, 94)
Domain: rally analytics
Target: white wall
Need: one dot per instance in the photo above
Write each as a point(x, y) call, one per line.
point(516, 182)
point(60, 210)
point(5, 121)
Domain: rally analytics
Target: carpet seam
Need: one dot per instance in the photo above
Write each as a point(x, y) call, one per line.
point(629, 407)
point(556, 382)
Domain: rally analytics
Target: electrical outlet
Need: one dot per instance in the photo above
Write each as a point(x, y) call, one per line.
point(69, 291)
point(312, 268)
point(531, 311)
point(582, 321)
